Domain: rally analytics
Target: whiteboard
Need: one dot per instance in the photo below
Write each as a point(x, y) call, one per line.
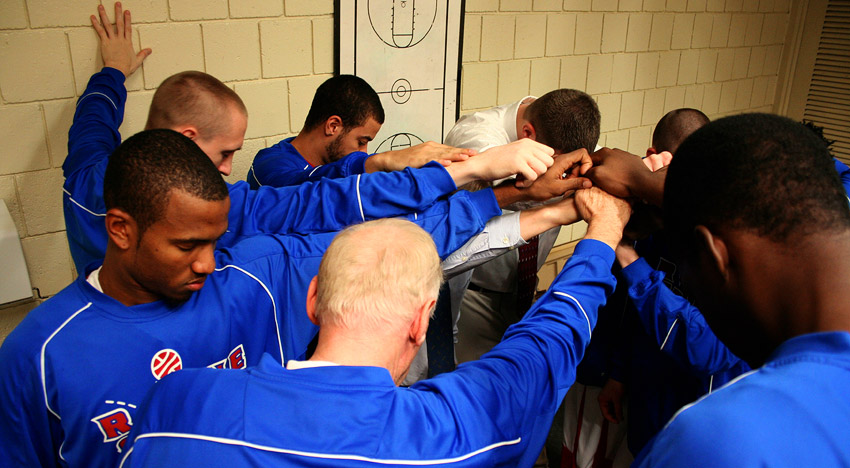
point(409, 51)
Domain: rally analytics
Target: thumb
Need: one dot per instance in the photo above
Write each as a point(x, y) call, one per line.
point(143, 54)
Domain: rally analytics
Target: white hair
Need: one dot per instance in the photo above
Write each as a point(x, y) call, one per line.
point(376, 273)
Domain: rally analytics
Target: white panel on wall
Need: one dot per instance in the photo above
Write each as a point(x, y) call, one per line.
point(409, 51)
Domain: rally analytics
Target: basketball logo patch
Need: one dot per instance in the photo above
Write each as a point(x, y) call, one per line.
point(165, 362)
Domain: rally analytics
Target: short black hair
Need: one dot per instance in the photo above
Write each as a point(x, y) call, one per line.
point(566, 120)
point(347, 96)
point(757, 172)
point(675, 126)
point(143, 171)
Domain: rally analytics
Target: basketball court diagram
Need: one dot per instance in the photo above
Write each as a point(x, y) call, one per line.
point(409, 51)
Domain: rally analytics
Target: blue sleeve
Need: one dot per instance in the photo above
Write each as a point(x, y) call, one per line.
point(456, 219)
point(844, 174)
point(517, 386)
point(277, 166)
point(679, 328)
point(28, 433)
point(92, 138)
point(332, 204)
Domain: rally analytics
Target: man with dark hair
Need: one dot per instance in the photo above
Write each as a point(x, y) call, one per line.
point(567, 120)
point(753, 204)
point(219, 131)
point(344, 117)
point(74, 370)
point(674, 127)
point(343, 407)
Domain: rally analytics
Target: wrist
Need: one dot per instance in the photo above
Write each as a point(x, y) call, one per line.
point(117, 66)
point(626, 256)
point(375, 163)
point(605, 231)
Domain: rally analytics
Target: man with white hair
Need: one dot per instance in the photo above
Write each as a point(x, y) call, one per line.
point(372, 300)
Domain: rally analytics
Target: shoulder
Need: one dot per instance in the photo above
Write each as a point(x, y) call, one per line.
point(282, 153)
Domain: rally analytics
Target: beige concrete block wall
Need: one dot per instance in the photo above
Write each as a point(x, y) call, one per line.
point(638, 58)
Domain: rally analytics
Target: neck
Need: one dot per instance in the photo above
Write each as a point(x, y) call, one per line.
point(347, 347)
point(311, 146)
point(804, 286)
point(119, 284)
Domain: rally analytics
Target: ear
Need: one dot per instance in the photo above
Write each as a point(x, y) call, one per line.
point(419, 325)
point(527, 131)
point(312, 297)
point(651, 150)
point(189, 131)
point(712, 248)
point(121, 228)
point(333, 125)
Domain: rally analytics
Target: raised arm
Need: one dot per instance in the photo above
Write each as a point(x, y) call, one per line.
point(94, 136)
point(504, 233)
point(678, 327)
point(528, 373)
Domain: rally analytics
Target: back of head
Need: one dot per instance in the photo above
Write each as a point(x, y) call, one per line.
point(144, 170)
point(566, 120)
point(675, 126)
point(194, 98)
point(374, 274)
point(347, 96)
point(760, 173)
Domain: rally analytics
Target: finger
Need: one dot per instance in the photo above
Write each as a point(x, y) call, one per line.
point(119, 19)
point(606, 412)
point(585, 163)
point(445, 162)
point(577, 183)
point(143, 54)
point(529, 175)
point(456, 156)
point(104, 21)
point(538, 166)
point(98, 28)
point(128, 25)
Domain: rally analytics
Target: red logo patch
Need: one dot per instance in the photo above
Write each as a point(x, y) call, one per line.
point(165, 362)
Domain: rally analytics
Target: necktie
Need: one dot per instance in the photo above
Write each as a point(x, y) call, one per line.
point(526, 275)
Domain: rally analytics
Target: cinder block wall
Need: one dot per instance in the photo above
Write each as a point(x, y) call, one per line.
point(638, 58)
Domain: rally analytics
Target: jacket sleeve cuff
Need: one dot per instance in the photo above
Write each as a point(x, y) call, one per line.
point(638, 271)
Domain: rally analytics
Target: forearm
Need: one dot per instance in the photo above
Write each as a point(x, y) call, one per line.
point(677, 326)
point(500, 235)
point(650, 186)
point(94, 131)
point(332, 204)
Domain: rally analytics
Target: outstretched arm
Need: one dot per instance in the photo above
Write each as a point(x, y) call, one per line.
point(417, 156)
point(524, 157)
point(625, 175)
